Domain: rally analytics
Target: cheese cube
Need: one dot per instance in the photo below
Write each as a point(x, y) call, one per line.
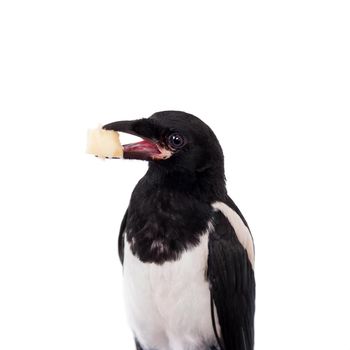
point(104, 143)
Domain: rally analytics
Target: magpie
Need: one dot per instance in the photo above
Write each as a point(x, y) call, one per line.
point(186, 249)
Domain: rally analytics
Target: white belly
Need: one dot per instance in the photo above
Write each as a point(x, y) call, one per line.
point(168, 305)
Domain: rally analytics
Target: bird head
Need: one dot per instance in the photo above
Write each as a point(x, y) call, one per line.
point(174, 142)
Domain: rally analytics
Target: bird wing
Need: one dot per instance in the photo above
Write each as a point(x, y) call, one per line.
point(121, 237)
point(231, 277)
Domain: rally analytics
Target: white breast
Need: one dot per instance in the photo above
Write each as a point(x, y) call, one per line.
point(168, 305)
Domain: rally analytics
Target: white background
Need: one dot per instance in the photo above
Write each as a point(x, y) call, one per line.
point(271, 78)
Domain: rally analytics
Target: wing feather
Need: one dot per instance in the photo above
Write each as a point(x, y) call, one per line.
point(232, 284)
point(121, 237)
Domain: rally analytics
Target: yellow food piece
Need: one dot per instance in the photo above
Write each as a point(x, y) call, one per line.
point(104, 143)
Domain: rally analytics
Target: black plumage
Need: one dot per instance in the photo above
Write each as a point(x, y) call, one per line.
point(232, 285)
point(170, 209)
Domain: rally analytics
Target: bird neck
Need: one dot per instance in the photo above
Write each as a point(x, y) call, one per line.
point(206, 184)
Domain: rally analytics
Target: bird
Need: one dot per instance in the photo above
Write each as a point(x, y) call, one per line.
point(186, 250)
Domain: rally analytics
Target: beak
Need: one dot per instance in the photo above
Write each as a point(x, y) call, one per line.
point(147, 149)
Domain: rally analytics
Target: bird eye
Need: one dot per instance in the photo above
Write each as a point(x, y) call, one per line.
point(176, 141)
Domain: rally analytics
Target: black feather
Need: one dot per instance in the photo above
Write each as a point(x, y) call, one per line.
point(232, 285)
point(121, 237)
point(163, 222)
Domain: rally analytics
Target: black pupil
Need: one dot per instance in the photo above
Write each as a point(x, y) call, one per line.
point(176, 140)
